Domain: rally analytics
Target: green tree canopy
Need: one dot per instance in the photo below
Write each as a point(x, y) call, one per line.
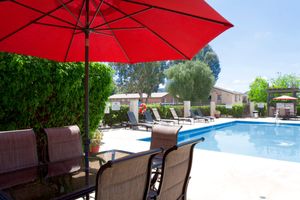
point(190, 80)
point(140, 78)
point(209, 57)
point(258, 90)
point(286, 81)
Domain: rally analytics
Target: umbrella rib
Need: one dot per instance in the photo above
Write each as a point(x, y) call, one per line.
point(54, 25)
point(72, 38)
point(152, 31)
point(98, 32)
point(69, 11)
point(179, 12)
point(126, 16)
point(97, 11)
point(123, 28)
point(31, 22)
point(117, 40)
point(39, 11)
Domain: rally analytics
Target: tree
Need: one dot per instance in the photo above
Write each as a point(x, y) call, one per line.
point(140, 78)
point(286, 81)
point(191, 80)
point(209, 57)
point(258, 90)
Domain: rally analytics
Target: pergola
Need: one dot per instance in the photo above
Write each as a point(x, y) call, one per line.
point(272, 91)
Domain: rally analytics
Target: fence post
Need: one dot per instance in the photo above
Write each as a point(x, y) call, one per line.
point(187, 107)
point(252, 108)
point(134, 107)
point(212, 108)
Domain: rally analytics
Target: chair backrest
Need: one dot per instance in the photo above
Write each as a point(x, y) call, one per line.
point(64, 143)
point(199, 112)
point(174, 114)
point(126, 178)
point(176, 167)
point(193, 113)
point(148, 116)
point(18, 150)
point(131, 117)
point(18, 158)
point(156, 114)
point(164, 136)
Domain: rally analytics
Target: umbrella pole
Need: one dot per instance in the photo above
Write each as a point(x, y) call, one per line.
point(86, 93)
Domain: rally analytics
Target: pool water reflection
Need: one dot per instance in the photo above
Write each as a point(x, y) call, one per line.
point(267, 140)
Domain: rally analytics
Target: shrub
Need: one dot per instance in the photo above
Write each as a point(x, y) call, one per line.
point(204, 109)
point(222, 109)
point(116, 116)
point(237, 110)
point(38, 93)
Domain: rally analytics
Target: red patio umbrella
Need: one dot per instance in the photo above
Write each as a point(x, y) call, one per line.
point(108, 30)
point(285, 98)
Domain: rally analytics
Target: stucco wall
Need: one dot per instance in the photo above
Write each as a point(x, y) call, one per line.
point(225, 97)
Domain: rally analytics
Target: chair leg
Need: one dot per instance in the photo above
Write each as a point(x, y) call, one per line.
point(155, 179)
point(183, 196)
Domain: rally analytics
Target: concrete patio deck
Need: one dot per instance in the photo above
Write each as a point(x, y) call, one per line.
point(224, 176)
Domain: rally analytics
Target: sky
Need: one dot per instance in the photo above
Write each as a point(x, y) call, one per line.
point(264, 41)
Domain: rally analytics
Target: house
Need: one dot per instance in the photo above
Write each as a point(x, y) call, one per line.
point(227, 97)
point(218, 95)
point(159, 97)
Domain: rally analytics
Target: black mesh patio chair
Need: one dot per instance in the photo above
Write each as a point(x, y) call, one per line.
point(197, 117)
point(159, 119)
point(149, 119)
point(199, 113)
point(134, 124)
point(175, 116)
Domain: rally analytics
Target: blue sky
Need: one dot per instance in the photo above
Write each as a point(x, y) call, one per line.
point(265, 40)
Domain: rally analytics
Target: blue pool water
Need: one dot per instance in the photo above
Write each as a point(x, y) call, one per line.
point(267, 140)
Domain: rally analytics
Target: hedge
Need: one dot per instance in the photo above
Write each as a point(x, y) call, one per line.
point(237, 110)
point(117, 117)
point(38, 93)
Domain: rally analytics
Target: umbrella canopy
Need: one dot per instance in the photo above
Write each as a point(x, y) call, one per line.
point(284, 98)
point(108, 30)
point(120, 30)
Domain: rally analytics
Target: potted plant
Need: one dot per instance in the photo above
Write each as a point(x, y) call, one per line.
point(96, 141)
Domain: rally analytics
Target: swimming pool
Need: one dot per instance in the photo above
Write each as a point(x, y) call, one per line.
point(260, 139)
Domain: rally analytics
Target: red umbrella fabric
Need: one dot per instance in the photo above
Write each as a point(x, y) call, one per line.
point(120, 30)
point(108, 30)
point(284, 98)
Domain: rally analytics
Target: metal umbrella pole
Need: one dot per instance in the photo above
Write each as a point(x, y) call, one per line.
point(86, 90)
